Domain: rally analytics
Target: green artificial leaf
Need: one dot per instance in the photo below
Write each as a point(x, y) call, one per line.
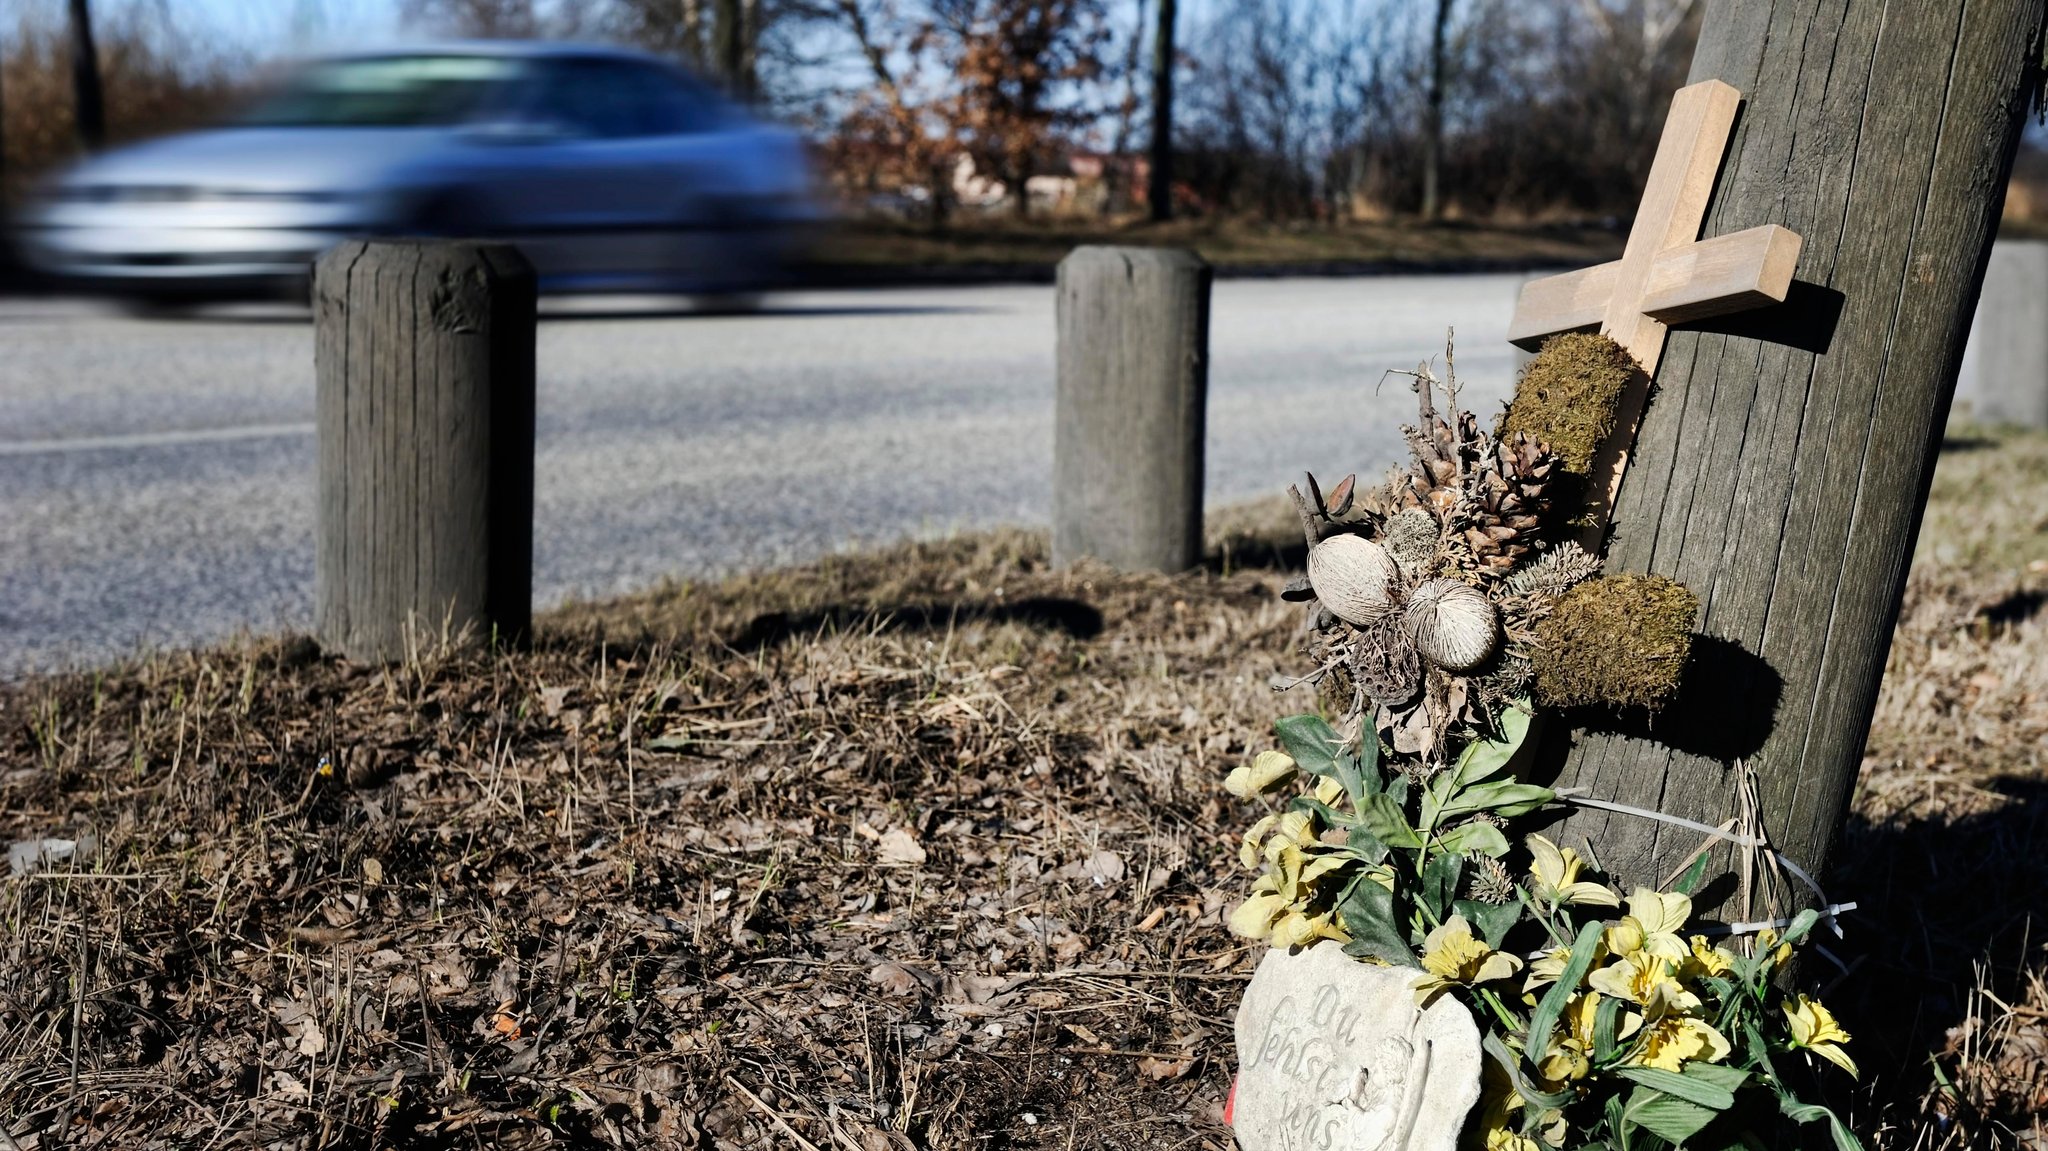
point(1793, 1109)
point(1466, 838)
point(1440, 883)
point(1369, 760)
point(1319, 750)
point(1368, 912)
point(1483, 758)
point(1381, 814)
point(1538, 1101)
point(1606, 1030)
point(1503, 797)
point(1365, 845)
point(1545, 1018)
point(1729, 1079)
point(1693, 874)
point(1492, 921)
point(1330, 816)
point(1802, 923)
point(1613, 1110)
point(1758, 1048)
point(1397, 790)
point(1667, 1117)
point(1691, 1088)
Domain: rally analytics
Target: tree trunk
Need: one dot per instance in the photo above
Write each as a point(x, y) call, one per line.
point(1785, 484)
point(1433, 118)
point(729, 30)
point(692, 25)
point(1160, 186)
point(88, 106)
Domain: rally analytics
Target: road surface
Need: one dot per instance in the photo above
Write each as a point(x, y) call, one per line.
point(156, 477)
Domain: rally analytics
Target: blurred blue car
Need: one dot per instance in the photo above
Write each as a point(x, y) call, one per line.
point(612, 170)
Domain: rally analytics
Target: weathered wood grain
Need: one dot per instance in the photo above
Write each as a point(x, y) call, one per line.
point(1130, 419)
point(1713, 277)
point(1785, 486)
point(424, 367)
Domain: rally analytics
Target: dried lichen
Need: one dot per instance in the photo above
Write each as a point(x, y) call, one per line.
point(1618, 641)
point(1567, 397)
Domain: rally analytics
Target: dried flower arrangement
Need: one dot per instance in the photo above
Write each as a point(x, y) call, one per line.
point(1448, 608)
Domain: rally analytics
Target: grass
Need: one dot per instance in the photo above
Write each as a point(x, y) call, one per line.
point(1039, 244)
point(921, 848)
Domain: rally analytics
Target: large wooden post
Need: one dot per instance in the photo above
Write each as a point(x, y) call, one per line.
point(2009, 339)
point(1785, 484)
point(424, 368)
point(1130, 418)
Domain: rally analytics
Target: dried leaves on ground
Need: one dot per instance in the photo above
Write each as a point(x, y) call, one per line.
point(924, 848)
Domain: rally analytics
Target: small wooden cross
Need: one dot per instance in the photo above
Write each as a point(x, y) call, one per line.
point(1666, 274)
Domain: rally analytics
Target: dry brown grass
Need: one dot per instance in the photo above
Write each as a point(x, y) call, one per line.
point(922, 848)
point(1226, 241)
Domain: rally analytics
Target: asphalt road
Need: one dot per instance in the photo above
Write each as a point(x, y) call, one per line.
point(156, 477)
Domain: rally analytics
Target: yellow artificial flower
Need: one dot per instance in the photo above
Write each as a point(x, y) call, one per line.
point(1658, 917)
point(1453, 956)
point(1710, 960)
point(1623, 937)
point(1547, 967)
point(1672, 1040)
point(1266, 772)
point(1254, 918)
point(1296, 929)
point(1814, 1028)
point(1502, 1139)
point(1643, 978)
point(1249, 851)
point(1556, 872)
point(1777, 951)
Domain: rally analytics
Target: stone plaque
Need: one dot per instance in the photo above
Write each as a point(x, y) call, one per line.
point(1334, 1055)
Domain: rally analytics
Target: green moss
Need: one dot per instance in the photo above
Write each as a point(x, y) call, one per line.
point(1618, 641)
point(1567, 396)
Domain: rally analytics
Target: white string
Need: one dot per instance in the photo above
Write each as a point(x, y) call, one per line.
point(1570, 795)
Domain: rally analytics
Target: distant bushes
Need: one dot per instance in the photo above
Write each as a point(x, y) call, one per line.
point(155, 81)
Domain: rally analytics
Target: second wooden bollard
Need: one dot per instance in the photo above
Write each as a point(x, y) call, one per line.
point(424, 359)
point(2005, 370)
point(1130, 417)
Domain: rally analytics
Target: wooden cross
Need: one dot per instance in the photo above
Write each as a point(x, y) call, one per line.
point(1666, 274)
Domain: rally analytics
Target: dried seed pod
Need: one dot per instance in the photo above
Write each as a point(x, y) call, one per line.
point(1453, 625)
point(1385, 662)
point(1354, 577)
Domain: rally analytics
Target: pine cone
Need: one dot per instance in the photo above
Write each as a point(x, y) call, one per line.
point(1385, 661)
point(1444, 456)
point(1506, 513)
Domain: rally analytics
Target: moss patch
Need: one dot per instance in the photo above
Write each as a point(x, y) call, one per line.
point(1618, 641)
point(1567, 396)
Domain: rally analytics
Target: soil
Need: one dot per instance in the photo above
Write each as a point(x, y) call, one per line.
point(921, 848)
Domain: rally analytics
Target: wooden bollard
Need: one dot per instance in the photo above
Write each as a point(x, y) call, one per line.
point(1130, 415)
point(2007, 377)
point(424, 366)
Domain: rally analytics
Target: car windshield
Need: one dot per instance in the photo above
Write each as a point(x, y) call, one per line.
point(383, 92)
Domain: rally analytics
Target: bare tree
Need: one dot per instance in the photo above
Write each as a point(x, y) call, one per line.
point(1159, 194)
point(88, 108)
point(1433, 117)
point(496, 19)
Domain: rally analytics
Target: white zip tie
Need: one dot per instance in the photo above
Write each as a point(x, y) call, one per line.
point(1570, 795)
point(1827, 916)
